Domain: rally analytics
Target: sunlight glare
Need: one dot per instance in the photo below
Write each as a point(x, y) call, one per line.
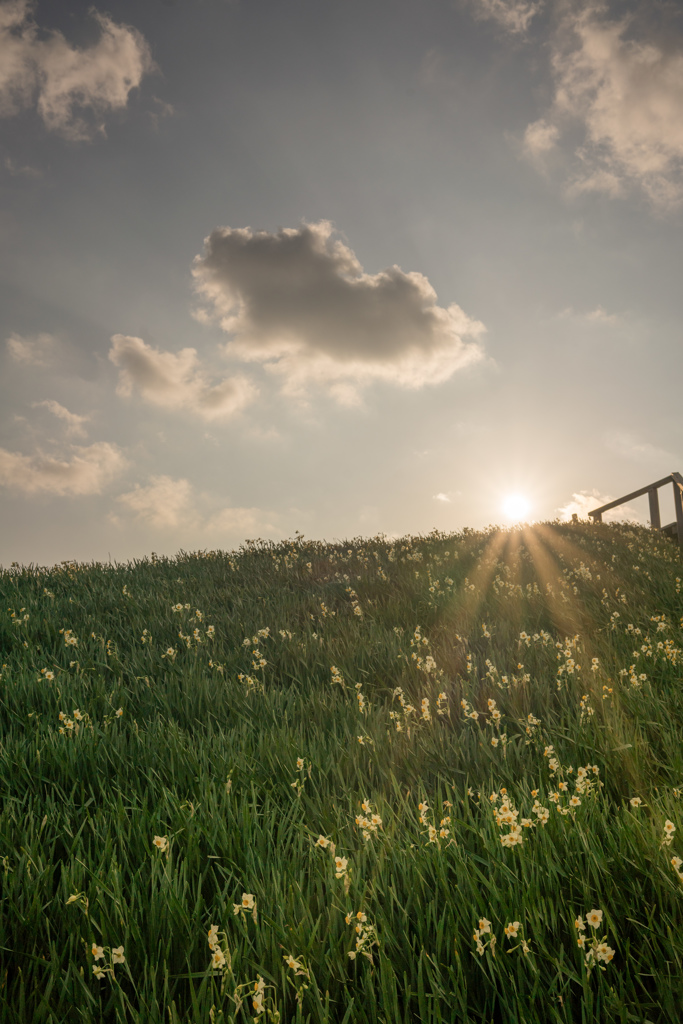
point(516, 508)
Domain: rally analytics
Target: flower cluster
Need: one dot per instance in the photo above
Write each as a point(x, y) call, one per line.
point(248, 903)
point(571, 646)
point(221, 960)
point(298, 784)
point(117, 957)
point(253, 685)
point(507, 814)
point(495, 719)
point(337, 677)
point(598, 950)
point(362, 705)
point(531, 728)
point(468, 711)
point(442, 705)
point(218, 956)
point(408, 709)
point(586, 710)
point(669, 829)
point(369, 825)
point(300, 969)
point(636, 681)
point(443, 831)
point(357, 610)
point(484, 928)
point(367, 936)
point(71, 726)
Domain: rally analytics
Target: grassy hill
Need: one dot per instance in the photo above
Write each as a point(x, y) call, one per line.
point(434, 779)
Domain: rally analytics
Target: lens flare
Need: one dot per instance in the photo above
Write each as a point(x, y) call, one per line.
point(516, 508)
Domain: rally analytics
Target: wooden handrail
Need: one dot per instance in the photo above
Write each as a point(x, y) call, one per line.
point(651, 490)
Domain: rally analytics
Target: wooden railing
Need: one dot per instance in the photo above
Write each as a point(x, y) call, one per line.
point(674, 529)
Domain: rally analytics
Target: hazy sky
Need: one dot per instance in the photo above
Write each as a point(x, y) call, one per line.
point(341, 268)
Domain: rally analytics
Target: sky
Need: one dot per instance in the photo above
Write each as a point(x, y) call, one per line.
point(271, 267)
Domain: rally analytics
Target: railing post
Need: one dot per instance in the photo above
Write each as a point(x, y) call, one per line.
point(678, 505)
point(655, 520)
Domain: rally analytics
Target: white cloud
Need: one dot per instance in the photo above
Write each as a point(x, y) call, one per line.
point(87, 472)
point(599, 316)
point(166, 503)
point(302, 305)
point(441, 497)
point(594, 316)
point(173, 382)
point(58, 77)
point(163, 503)
point(38, 350)
point(74, 422)
point(587, 501)
point(628, 96)
point(540, 138)
point(513, 15)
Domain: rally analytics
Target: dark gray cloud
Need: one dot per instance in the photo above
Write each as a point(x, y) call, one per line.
point(300, 302)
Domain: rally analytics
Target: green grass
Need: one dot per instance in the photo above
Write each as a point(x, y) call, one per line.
point(252, 779)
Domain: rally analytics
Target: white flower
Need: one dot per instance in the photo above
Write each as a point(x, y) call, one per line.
point(594, 918)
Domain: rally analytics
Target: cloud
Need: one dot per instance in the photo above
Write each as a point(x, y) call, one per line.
point(73, 421)
point(165, 110)
point(594, 316)
point(175, 382)
point(441, 497)
point(628, 96)
point(87, 473)
point(240, 521)
point(629, 447)
point(166, 503)
point(301, 304)
point(512, 15)
point(163, 503)
point(24, 172)
point(586, 501)
point(39, 350)
point(599, 316)
point(540, 138)
point(58, 77)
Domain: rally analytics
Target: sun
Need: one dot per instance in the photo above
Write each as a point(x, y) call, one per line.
point(516, 508)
